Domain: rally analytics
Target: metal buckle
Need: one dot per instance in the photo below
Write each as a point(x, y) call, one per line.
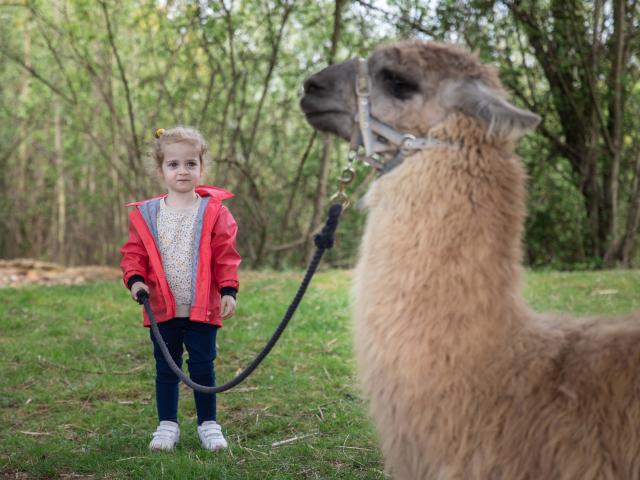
point(345, 178)
point(407, 138)
point(363, 83)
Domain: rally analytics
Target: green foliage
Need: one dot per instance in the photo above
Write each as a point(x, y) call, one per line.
point(557, 59)
point(555, 220)
point(115, 71)
point(119, 71)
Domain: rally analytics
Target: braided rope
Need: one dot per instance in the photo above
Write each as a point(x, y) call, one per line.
point(323, 241)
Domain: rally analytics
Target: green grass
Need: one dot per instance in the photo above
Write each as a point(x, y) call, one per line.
point(76, 381)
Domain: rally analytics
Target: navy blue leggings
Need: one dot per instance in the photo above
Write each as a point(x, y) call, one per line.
point(200, 340)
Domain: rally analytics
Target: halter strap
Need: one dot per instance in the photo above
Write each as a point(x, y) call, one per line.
point(376, 137)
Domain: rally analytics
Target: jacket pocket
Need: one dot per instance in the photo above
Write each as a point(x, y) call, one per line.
point(213, 306)
point(157, 301)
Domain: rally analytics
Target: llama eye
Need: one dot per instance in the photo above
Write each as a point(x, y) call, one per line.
point(399, 86)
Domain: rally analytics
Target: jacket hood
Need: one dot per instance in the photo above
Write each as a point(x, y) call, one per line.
point(216, 193)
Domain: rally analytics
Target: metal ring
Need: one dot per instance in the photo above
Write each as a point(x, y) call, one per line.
point(406, 138)
point(347, 176)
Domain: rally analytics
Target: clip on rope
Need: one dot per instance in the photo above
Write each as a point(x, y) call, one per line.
point(323, 241)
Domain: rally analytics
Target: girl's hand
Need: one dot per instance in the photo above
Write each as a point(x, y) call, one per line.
point(136, 287)
point(227, 306)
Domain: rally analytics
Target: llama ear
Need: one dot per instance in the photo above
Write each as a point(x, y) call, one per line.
point(503, 119)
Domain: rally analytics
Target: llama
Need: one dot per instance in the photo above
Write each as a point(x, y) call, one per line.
point(464, 380)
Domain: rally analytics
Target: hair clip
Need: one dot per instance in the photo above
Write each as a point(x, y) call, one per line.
point(159, 132)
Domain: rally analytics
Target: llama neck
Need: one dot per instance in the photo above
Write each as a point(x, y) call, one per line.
point(449, 222)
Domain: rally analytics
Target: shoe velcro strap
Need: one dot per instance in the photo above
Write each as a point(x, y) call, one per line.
point(165, 433)
point(208, 428)
point(167, 429)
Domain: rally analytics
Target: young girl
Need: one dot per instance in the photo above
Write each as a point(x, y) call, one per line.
point(182, 250)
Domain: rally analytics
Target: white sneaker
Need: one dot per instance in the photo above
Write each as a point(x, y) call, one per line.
point(210, 434)
point(166, 436)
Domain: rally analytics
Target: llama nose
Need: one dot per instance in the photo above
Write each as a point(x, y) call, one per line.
point(312, 86)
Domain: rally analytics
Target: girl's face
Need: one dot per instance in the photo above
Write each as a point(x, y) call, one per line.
point(181, 168)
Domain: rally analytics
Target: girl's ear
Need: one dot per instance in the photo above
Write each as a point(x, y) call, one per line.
point(503, 120)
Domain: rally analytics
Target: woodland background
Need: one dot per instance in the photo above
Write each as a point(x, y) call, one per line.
point(84, 84)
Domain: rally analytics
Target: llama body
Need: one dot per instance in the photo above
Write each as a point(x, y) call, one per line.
point(465, 381)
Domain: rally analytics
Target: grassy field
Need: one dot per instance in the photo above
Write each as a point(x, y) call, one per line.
point(76, 381)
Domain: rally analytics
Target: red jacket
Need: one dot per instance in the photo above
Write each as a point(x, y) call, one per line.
point(215, 262)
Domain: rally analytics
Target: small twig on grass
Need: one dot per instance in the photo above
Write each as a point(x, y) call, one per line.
point(357, 448)
point(608, 291)
point(293, 439)
point(68, 426)
point(230, 451)
point(128, 458)
point(252, 450)
point(250, 389)
point(328, 403)
point(36, 434)
point(330, 343)
point(39, 410)
point(44, 361)
point(133, 402)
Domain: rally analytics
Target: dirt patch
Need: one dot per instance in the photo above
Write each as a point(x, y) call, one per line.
point(15, 476)
point(24, 271)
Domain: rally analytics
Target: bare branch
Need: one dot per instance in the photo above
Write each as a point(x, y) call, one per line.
point(294, 190)
point(54, 51)
point(275, 50)
point(35, 74)
point(123, 76)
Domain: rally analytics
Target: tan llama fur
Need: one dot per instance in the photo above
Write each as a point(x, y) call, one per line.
point(464, 380)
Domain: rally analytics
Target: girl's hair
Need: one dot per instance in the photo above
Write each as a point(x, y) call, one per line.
point(176, 135)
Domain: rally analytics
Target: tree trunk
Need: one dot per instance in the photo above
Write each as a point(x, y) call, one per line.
point(284, 226)
point(119, 212)
point(321, 192)
point(563, 53)
point(23, 94)
point(323, 174)
point(614, 250)
point(626, 244)
point(61, 195)
point(23, 152)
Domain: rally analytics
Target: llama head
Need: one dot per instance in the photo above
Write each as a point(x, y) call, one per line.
point(415, 85)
